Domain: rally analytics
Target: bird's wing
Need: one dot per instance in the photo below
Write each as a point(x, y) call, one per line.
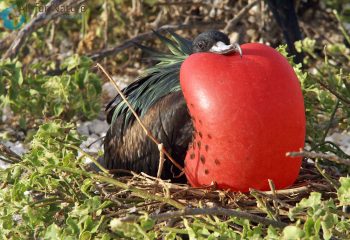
point(155, 83)
point(169, 122)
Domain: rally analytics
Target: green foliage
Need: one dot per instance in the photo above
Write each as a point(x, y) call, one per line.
point(344, 191)
point(319, 216)
point(30, 93)
point(139, 230)
point(326, 90)
point(40, 201)
point(46, 196)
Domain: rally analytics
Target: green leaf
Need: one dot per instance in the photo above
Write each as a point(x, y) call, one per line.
point(19, 76)
point(58, 109)
point(53, 232)
point(85, 236)
point(344, 191)
point(292, 233)
point(72, 223)
point(147, 224)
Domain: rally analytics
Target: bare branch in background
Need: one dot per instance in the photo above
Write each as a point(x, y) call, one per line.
point(40, 20)
point(7, 155)
point(242, 13)
point(209, 211)
point(314, 155)
point(148, 35)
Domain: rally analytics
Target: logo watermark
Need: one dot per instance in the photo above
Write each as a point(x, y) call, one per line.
point(8, 22)
point(13, 17)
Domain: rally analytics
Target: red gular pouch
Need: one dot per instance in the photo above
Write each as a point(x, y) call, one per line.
point(247, 113)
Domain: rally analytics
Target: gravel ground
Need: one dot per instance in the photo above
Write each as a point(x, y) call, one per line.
point(341, 139)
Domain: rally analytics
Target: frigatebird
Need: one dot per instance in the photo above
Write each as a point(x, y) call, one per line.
point(156, 96)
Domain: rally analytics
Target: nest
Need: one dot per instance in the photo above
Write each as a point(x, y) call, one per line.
point(255, 205)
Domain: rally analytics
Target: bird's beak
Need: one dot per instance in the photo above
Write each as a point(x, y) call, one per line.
point(222, 48)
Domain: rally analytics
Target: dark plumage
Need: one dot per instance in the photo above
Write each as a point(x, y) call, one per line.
point(128, 147)
point(158, 99)
point(287, 19)
point(205, 41)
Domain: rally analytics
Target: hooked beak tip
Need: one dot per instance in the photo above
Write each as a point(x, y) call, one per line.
point(239, 49)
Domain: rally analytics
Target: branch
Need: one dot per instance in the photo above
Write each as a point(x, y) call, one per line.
point(233, 22)
point(7, 155)
point(41, 19)
point(138, 192)
point(147, 35)
point(148, 133)
point(313, 155)
point(209, 211)
point(333, 91)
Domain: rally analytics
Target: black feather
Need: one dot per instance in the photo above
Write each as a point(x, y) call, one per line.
point(155, 83)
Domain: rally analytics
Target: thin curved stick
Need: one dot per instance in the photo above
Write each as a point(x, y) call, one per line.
point(148, 133)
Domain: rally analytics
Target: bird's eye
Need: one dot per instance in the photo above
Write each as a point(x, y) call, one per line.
point(201, 44)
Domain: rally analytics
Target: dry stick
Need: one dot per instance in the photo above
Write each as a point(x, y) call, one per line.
point(41, 19)
point(265, 206)
point(138, 192)
point(329, 125)
point(85, 154)
point(148, 133)
point(9, 156)
point(342, 27)
point(147, 35)
point(275, 204)
point(273, 197)
point(161, 160)
point(209, 211)
point(313, 155)
point(233, 22)
point(289, 191)
point(333, 91)
point(333, 183)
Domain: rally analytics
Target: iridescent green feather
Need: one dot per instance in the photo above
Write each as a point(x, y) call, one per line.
point(156, 82)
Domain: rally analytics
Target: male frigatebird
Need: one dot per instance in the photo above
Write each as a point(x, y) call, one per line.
point(157, 98)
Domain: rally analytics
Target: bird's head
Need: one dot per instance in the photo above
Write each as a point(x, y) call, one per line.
point(163, 78)
point(216, 42)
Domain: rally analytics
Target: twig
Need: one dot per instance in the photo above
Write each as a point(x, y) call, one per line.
point(147, 35)
point(233, 22)
point(138, 192)
point(341, 26)
point(41, 19)
point(209, 211)
point(290, 191)
point(98, 139)
point(263, 205)
point(7, 155)
point(333, 91)
point(314, 155)
point(275, 204)
point(333, 183)
point(161, 160)
point(272, 197)
point(148, 133)
point(88, 156)
point(331, 120)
